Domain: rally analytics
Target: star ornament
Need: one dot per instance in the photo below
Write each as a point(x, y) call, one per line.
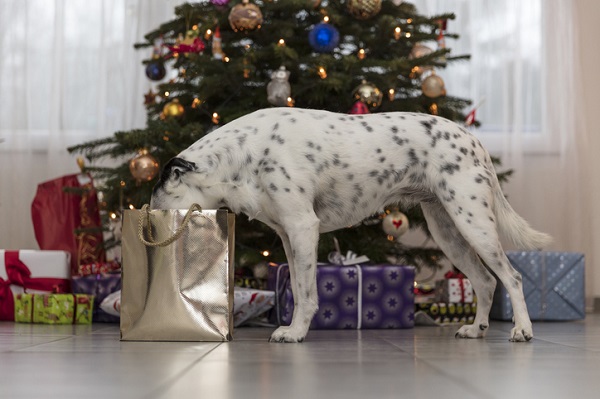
point(150, 98)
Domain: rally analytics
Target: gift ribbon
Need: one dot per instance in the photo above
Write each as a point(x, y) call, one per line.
point(18, 273)
point(460, 277)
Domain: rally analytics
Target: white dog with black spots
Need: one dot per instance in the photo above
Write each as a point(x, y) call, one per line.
point(305, 172)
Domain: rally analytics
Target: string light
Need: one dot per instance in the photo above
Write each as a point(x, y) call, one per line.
point(215, 118)
point(391, 93)
point(113, 215)
point(397, 32)
point(195, 27)
point(408, 34)
point(326, 19)
point(122, 183)
point(131, 206)
point(265, 253)
point(361, 54)
point(167, 94)
point(208, 34)
point(196, 103)
point(322, 72)
point(290, 102)
point(226, 59)
point(409, 21)
point(281, 43)
point(433, 109)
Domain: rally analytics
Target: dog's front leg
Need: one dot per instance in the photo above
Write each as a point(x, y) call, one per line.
point(303, 240)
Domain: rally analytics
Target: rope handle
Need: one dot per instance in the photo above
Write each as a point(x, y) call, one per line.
point(175, 236)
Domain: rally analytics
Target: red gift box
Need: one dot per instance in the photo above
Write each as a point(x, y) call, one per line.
point(16, 275)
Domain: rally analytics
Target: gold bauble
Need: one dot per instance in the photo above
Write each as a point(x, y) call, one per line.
point(433, 86)
point(144, 167)
point(173, 108)
point(245, 16)
point(368, 94)
point(364, 9)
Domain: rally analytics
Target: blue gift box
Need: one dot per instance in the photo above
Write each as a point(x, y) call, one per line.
point(101, 286)
point(352, 297)
point(553, 285)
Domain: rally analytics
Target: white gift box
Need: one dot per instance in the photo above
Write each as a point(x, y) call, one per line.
point(457, 290)
point(249, 303)
point(48, 264)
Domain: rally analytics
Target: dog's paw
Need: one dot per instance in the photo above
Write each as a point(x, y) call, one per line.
point(472, 331)
point(521, 334)
point(286, 334)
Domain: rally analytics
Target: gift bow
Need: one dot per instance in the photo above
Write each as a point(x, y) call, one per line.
point(351, 258)
point(18, 273)
point(461, 277)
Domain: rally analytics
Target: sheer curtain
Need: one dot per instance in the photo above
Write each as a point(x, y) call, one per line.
point(68, 73)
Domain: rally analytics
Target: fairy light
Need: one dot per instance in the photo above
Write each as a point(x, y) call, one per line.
point(226, 59)
point(397, 32)
point(408, 34)
point(409, 21)
point(122, 183)
point(113, 215)
point(326, 19)
point(131, 206)
point(215, 118)
point(265, 253)
point(361, 54)
point(196, 103)
point(322, 72)
point(290, 102)
point(167, 94)
point(281, 43)
point(391, 94)
point(195, 27)
point(208, 34)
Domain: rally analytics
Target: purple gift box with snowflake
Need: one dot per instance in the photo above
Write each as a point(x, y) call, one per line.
point(353, 297)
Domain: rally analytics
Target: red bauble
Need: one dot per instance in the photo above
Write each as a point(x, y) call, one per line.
point(359, 108)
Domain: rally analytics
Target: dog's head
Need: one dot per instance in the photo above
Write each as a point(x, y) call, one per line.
point(179, 186)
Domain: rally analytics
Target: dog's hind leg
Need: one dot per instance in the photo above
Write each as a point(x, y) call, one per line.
point(474, 217)
point(461, 254)
point(287, 247)
point(303, 233)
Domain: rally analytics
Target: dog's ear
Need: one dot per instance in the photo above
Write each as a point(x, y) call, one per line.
point(174, 169)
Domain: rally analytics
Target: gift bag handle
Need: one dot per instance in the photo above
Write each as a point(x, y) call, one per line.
point(175, 236)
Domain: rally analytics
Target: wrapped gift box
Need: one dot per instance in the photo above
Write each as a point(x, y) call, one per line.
point(53, 308)
point(31, 271)
point(100, 286)
point(455, 290)
point(353, 297)
point(99, 268)
point(443, 313)
point(249, 303)
point(553, 285)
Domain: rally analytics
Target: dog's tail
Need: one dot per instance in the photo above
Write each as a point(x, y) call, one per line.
point(514, 227)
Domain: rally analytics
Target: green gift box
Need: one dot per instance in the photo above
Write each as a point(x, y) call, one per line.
point(23, 308)
point(54, 308)
point(84, 308)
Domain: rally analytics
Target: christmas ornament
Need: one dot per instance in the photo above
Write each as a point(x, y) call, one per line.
point(217, 50)
point(419, 50)
point(369, 94)
point(433, 86)
point(150, 98)
point(359, 108)
point(279, 89)
point(191, 44)
point(173, 108)
point(143, 167)
point(245, 16)
point(395, 224)
point(364, 9)
point(324, 37)
point(155, 70)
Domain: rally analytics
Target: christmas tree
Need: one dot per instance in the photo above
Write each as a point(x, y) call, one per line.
point(231, 58)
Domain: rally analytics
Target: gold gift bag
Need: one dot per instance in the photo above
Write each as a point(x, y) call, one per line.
point(177, 275)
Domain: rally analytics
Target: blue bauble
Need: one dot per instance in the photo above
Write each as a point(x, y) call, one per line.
point(324, 38)
point(155, 70)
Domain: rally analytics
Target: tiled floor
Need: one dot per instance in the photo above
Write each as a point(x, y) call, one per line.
point(83, 362)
